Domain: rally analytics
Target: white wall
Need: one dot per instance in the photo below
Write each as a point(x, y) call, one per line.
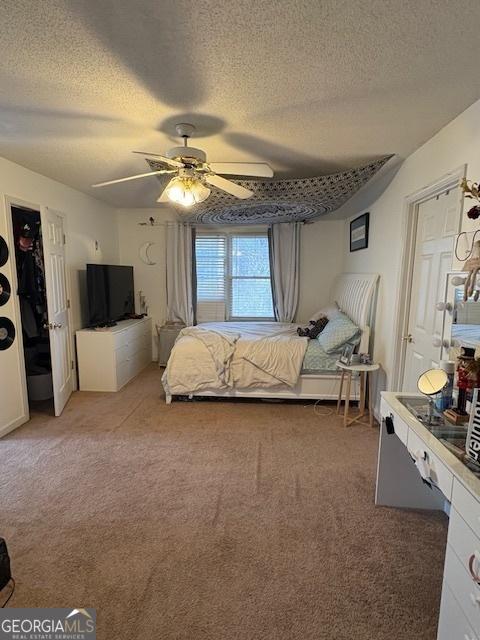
point(456, 144)
point(87, 221)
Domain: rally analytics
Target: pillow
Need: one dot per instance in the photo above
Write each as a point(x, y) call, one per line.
point(328, 312)
point(339, 330)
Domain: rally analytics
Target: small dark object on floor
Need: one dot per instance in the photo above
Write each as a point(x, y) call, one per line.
point(5, 573)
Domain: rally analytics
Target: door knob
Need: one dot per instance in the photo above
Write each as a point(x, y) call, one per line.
point(444, 306)
point(408, 338)
point(52, 325)
point(438, 342)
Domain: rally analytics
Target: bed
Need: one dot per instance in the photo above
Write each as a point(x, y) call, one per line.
point(267, 359)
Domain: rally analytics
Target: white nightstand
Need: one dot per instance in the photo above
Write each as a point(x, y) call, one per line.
point(364, 371)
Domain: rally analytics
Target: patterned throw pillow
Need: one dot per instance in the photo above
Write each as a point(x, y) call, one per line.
point(340, 329)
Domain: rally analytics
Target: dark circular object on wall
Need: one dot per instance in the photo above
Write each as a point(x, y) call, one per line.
point(3, 251)
point(7, 333)
point(4, 290)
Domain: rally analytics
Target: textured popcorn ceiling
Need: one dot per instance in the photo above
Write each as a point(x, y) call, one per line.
point(312, 87)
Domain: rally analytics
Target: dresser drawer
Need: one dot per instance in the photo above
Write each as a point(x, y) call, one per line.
point(121, 338)
point(121, 354)
point(438, 473)
point(467, 506)
point(139, 361)
point(464, 542)
point(453, 624)
point(466, 590)
point(123, 373)
point(401, 429)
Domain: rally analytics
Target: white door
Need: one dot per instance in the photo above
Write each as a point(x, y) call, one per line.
point(57, 303)
point(437, 224)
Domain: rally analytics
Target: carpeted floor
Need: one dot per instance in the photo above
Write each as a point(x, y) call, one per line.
point(213, 520)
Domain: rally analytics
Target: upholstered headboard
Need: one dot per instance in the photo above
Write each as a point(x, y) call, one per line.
point(355, 295)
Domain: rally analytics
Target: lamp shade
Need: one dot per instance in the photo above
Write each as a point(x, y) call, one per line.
point(186, 191)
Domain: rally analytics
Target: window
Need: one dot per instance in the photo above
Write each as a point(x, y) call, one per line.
point(249, 278)
point(233, 277)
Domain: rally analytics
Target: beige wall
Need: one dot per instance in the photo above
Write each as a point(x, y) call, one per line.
point(150, 279)
point(322, 256)
point(456, 144)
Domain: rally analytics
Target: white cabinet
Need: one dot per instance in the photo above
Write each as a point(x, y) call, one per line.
point(109, 358)
point(415, 470)
point(452, 624)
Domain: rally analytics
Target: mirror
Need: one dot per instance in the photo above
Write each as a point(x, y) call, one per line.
point(464, 317)
point(432, 381)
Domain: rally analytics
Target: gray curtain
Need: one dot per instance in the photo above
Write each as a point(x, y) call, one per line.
point(284, 246)
point(180, 271)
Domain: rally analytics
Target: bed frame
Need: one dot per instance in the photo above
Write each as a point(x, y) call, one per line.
point(355, 294)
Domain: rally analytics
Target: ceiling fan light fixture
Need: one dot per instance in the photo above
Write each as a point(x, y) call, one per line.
point(186, 191)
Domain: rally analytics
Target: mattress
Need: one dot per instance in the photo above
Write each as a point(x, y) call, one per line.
point(316, 360)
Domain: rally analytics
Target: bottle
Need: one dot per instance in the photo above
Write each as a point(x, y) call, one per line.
point(445, 400)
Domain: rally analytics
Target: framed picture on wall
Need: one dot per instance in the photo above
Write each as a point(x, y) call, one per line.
point(359, 232)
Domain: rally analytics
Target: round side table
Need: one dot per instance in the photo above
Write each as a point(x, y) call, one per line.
point(364, 371)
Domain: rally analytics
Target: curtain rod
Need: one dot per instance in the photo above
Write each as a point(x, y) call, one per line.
point(152, 223)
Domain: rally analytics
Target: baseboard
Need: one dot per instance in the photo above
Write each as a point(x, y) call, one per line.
point(8, 428)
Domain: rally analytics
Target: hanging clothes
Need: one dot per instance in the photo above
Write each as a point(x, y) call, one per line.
point(30, 272)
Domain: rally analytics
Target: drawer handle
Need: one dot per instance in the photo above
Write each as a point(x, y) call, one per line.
point(389, 424)
point(471, 568)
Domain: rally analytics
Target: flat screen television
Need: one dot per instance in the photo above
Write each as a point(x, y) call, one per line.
point(110, 293)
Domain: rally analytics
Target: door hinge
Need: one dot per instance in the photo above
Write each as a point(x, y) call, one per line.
point(64, 239)
point(68, 304)
point(72, 364)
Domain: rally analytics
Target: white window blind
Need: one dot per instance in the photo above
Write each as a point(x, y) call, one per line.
point(233, 277)
point(211, 260)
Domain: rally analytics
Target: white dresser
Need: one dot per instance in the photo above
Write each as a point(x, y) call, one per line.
point(109, 358)
point(416, 470)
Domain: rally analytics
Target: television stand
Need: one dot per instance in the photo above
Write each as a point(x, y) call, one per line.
point(110, 357)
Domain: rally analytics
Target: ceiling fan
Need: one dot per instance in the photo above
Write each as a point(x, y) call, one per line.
point(191, 173)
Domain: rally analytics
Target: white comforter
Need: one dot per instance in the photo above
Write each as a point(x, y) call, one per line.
point(222, 355)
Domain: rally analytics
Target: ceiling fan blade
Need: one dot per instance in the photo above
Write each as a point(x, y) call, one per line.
point(136, 177)
point(158, 158)
point(260, 169)
point(228, 186)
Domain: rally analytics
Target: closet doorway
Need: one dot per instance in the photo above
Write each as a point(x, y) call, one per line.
point(42, 311)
